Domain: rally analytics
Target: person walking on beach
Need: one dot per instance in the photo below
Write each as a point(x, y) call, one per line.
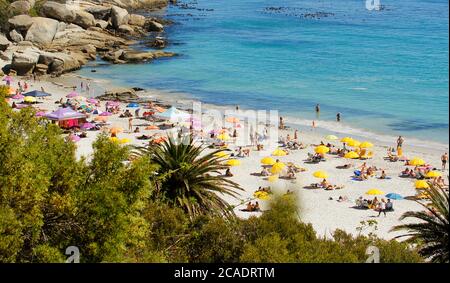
point(400, 141)
point(444, 159)
point(338, 117)
point(313, 125)
point(130, 124)
point(281, 126)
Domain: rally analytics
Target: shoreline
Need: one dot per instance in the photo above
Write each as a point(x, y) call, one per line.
point(318, 207)
point(323, 127)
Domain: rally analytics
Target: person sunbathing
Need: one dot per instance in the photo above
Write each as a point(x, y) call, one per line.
point(383, 175)
point(256, 207)
point(137, 130)
point(265, 172)
point(405, 173)
point(346, 166)
point(324, 184)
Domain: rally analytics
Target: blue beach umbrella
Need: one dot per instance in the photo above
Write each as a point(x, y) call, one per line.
point(133, 105)
point(394, 196)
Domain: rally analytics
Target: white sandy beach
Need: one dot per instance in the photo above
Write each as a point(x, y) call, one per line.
point(326, 215)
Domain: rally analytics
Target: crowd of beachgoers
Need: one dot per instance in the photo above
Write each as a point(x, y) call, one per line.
point(341, 180)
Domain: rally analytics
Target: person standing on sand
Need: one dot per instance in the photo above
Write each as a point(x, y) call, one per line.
point(400, 141)
point(296, 134)
point(444, 159)
point(281, 126)
point(130, 124)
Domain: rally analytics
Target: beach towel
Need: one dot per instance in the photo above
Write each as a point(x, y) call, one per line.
point(356, 179)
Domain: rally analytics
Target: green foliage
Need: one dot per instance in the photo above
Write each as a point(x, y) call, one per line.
point(116, 210)
point(431, 232)
point(191, 180)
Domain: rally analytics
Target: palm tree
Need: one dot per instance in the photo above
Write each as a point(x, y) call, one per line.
point(431, 233)
point(190, 179)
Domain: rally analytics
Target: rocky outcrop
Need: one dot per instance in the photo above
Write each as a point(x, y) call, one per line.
point(57, 11)
point(119, 17)
point(137, 56)
point(21, 23)
point(84, 19)
point(4, 42)
point(125, 29)
point(101, 24)
point(42, 31)
point(20, 7)
point(100, 12)
point(120, 94)
point(15, 36)
point(24, 62)
point(154, 26)
point(136, 20)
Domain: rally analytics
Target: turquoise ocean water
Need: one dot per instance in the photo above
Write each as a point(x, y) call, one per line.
point(386, 71)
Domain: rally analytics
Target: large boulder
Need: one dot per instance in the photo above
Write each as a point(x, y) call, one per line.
point(42, 31)
point(101, 24)
point(58, 62)
point(99, 12)
point(15, 36)
point(136, 56)
point(21, 23)
point(125, 29)
point(119, 17)
point(60, 12)
point(20, 7)
point(154, 26)
point(136, 20)
point(4, 42)
point(84, 19)
point(24, 62)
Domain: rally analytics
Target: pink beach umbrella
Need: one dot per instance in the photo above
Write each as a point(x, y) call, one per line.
point(105, 114)
point(40, 114)
point(18, 97)
point(87, 126)
point(74, 138)
point(72, 94)
point(112, 103)
point(92, 100)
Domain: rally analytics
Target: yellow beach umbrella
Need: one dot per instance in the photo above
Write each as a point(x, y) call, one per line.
point(331, 137)
point(268, 161)
point(124, 141)
point(262, 195)
point(321, 149)
point(272, 178)
point(366, 144)
point(421, 184)
point(29, 99)
point(279, 152)
point(233, 162)
point(417, 162)
point(222, 154)
point(433, 174)
point(223, 137)
point(353, 143)
point(277, 167)
point(351, 155)
point(320, 174)
point(346, 139)
point(375, 192)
